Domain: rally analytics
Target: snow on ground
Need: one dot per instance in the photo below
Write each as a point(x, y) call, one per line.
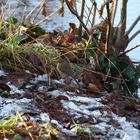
point(14, 89)
point(138, 94)
point(2, 73)
point(77, 106)
point(126, 131)
point(9, 107)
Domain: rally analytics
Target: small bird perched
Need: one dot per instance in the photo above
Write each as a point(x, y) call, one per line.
point(66, 70)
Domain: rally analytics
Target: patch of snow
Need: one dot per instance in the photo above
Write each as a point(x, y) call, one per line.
point(37, 78)
point(60, 81)
point(7, 101)
point(10, 109)
point(96, 113)
point(33, 81)
point(2, 73)
point(23, 100)
point(64, 130)
point(86, 100)
point(82, 108)
point(1, 100)
point(126, 131)
point(104, 119)
point(56, 93)
point(138, 94)
point(27, 71)
point(68, 132)
point(56, 123)
point(11, 106)
point(70, 93)
point(28, 86)
point(117, 134)
point(126, 137)
point(41, 88)
point(71, 105)
point(14, 89)
point(102, 126)
point(45, 117)
point(43, 77)
point(128, 128)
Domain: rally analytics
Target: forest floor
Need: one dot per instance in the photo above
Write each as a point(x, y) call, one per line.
point(60, 111)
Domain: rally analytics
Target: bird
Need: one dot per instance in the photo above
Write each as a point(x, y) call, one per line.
point(66, 70)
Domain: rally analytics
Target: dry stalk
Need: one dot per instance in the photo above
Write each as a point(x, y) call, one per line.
point(81, 16)
point(40, 22)
point(113, 11)
point(138, 45)
point(122, 24)
point(94, 13)
point(109, 31)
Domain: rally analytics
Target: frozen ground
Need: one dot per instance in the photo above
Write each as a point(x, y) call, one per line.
point(88, 112)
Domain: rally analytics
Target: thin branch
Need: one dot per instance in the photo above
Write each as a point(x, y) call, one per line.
point(86, 15)
point(94, 14)
point(108, 33)
point(138, 45)
point(113, 11)
point(82, 9)
point(48, 17)
point(32, 11)
point(39, 10)
point(133, 25)
point(90, 11)
point(81, 16)
point(134, 35)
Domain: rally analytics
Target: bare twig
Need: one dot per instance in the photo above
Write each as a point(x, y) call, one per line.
point(39, 10)
point(134, 35)
point(81, 16)
point(138, 45)
point(133, 25)
point(94, 13)
point(31, 12)
point(89, 14)
point(113, 11)
point(108, 33)
point(48, 17)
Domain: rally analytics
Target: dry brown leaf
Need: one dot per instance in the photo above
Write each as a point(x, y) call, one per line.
point(44, 13)
point(92, 88)
point(72, 27)
point(61, 11)
point(62, 97)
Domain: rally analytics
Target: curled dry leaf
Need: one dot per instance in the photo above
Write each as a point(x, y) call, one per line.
point(72, 27)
